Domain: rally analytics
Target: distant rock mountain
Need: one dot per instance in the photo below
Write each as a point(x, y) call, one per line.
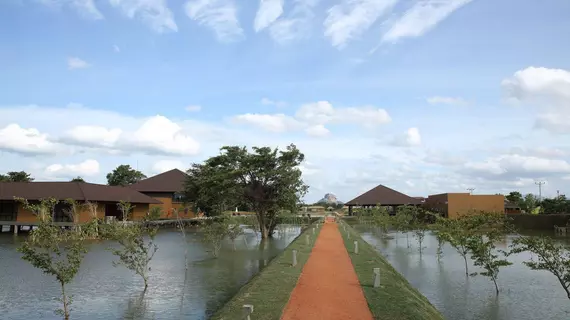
point(329, 198)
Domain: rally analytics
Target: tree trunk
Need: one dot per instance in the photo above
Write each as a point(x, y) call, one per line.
point(264, 231)
point(466, 270)
point(496, 286)
point(65, 306)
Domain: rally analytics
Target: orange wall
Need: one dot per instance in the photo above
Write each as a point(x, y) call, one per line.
point(138, 213)
point(463, 203)
point(167, 206)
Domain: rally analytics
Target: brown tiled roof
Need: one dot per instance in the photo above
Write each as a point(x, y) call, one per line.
point(80, 191)
point(169, 181)
point(384, 196)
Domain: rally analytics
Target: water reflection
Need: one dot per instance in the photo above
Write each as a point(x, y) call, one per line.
point(525, 294)
point(103, 292)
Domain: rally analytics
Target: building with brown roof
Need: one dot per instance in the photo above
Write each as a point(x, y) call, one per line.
point(167, 188)
point(381, 195)
point(452, 205)
point(105, 196)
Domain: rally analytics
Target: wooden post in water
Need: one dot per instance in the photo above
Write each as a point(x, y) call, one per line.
point(294, 258)
point(16, 227)
point(247, 311)
point(376, 277)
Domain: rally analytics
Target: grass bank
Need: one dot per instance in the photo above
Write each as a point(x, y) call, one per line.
point(270, 289)
point(396, 298)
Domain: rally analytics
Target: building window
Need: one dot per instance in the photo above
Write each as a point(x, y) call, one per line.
point(178, 197)
point(62, 213)
point(8, 211)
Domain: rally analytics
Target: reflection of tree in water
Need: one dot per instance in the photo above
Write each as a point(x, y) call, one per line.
point(137, 308)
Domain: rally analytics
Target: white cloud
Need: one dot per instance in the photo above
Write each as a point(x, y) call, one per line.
point(76, 63)
point(351, 18)
point(421, 18)
point(269, 102)
point(454, 101)
point(167, 165)
point(158, 135)
point(193, 108)
point(411, 138)
point(548, 89)
point(219, 15)
point(86, 168)
point(14, 138)
point(116, 48)
point(269, 122)
point(268, 12)
point(296, 25)
point(155, 13)
point(318, 130)
point(86, 8)
point(520, 166)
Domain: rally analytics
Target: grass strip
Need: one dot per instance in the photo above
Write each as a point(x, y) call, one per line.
point(270, 289)
point(396, 298)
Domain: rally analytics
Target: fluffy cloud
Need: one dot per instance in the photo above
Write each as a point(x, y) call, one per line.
point(154, 13)
point(548, 89)
point(14, 138)
point(351, 18)
point(86, 8)
point(454, 101)
point(167, 165)
point(518, 166)
point(411, 138)
point(268, 12)
point(296, 24)
point(314, 116)
point(421, 18)
point(87, 168)
point(219, 15)
point(76, 63)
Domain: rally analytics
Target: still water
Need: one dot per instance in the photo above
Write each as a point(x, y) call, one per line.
point(101, 291)
point(525, 294)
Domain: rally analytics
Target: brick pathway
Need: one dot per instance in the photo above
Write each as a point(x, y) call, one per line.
point(328, 287)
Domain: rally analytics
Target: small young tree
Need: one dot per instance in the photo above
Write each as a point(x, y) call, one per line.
point(182, 228)
point(136, 246)
point(456, 233)
point(126, 208)
point(56, 252)
point(483, 254)
point(552, 257)
point(214, 233)
point(403, 220)
point(91, 228)
point(234, 230)
point(74, 212)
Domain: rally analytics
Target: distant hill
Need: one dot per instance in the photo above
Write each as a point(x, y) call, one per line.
point(329, 199)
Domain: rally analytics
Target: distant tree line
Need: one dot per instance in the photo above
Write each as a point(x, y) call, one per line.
point(532, 204)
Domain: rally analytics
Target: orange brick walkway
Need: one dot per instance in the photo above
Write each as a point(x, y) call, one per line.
point(328, 288)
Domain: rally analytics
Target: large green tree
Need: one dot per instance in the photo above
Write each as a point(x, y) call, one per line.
point(265, 180)
point(515, 197)
point(124, 175)
point(77, 179)
point(16, 176)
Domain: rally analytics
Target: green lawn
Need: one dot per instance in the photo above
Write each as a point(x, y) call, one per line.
point(269, 291)
point(396, 298)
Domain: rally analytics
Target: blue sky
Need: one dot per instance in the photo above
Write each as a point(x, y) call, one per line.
point(424, 96)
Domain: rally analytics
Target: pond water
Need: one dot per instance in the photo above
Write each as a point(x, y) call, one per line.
point(101, 291)
point(525, 294)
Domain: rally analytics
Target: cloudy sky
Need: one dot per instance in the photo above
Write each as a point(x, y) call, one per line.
point(424, 96)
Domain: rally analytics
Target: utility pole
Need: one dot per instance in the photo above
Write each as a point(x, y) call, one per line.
point(470, 190)
point(539, 184)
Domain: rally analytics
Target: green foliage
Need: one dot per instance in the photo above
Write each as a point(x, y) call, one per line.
point(483, 253)
point(234, 230)
point(515, 197)
point(551, 257)
point(213, 233)
point(529, 203)
point(126, 209)
point(265, 180)
point(16, 176)
point(74, 210)
point(555, 205)
point(136, 244)
point(56, 252)
point(155, 213)
point(77, 179)
point(124, 175)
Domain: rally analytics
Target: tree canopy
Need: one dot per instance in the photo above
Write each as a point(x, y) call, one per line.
point(124, 175)
point(265, 180)
point(77, 179)
point(16, 176)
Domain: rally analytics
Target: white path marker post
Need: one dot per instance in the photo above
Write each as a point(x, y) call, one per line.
point(356, 247)
point(307, 239)
point(294, 258)
point(348, 236)
point(247, 311)
point(313, 230)
point(376, 277)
